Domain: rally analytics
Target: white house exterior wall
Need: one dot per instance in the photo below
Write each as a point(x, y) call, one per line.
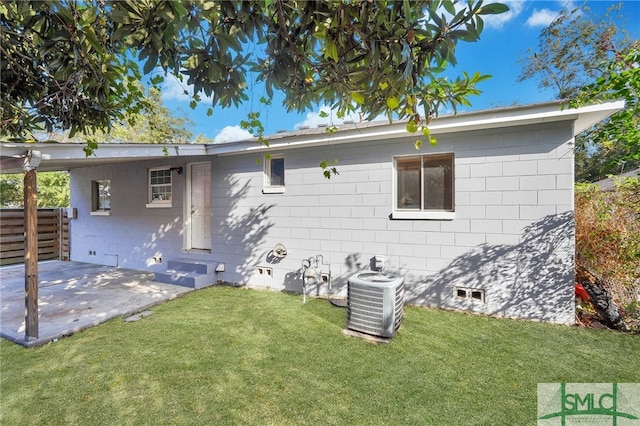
point(512, 236)
point(132, 235)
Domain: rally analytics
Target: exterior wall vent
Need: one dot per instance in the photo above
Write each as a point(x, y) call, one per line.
point(474, 294)
point(264, 272)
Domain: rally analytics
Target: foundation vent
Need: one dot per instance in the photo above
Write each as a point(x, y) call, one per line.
point(474, 294)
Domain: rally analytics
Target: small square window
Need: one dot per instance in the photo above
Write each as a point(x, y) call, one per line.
point(101, 197)
point(160, 189)
point(273, 175)
point(424, 187)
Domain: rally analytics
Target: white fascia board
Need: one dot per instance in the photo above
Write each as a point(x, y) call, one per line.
point(338, 137)
point(583, 117)
point(72, 154)
point(124, 151)
point(500, 119)
point(555, 111)
point(593, 114)
point(67, 156)
point(71, 151)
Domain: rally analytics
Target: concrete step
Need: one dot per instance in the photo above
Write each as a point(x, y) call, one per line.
point(186, 279)
point(188, 273)
point(191, 265)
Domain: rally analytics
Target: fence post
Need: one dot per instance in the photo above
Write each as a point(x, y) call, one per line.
point(60, 232)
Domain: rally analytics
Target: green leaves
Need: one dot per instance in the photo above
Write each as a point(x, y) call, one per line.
point(328, 168)
point(53, 189)
point(412, 126)
point(331, 51)
point(357, 98)
point(60, 69)
point(393, 103)
point(615, 144)
point(254, 125)
point(493, 9)
point(377, 56)
point(90, 147)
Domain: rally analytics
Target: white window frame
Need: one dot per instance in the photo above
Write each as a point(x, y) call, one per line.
point(268, 188)
point(96, 185)
point(158, 203)
point(399, 213)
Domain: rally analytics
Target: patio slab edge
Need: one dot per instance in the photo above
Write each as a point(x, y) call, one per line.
point(75, 296)
point(52, 338)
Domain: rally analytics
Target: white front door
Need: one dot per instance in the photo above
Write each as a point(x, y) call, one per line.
point(200, 228)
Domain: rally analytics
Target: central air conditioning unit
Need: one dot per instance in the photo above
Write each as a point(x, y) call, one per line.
point(375, 303)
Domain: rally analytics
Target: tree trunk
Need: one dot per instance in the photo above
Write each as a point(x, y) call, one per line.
point(600, 298)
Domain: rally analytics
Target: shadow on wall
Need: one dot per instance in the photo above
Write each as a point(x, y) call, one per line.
point(151, 244)
point(531, 280)
point(293, 281)
point(241, 229)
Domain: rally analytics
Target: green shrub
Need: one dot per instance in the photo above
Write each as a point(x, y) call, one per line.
point(608, 236)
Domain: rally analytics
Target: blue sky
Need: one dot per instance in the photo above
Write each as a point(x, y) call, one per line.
point(505, 39)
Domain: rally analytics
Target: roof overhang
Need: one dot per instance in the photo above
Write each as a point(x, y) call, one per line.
point(557, 111)
point(67, 156)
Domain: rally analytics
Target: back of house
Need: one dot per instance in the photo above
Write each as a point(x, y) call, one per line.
point(482, 221)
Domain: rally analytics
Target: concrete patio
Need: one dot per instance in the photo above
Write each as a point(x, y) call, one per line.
point(73, 296)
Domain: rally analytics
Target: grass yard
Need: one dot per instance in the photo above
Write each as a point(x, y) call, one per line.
point(229, 356)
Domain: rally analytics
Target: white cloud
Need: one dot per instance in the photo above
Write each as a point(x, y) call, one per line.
point(313, 119)
point(498, 21)
point(544, 17)
point(541, 18)
point(232, 133)
point(173, 89)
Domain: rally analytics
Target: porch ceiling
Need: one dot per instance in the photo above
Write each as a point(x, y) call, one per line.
point(67, 156)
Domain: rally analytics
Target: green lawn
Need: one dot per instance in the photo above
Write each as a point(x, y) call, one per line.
point(224, 355)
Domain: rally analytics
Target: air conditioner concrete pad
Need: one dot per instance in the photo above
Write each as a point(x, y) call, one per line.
point(369, 337)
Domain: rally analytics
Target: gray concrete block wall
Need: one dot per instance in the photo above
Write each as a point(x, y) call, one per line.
point(512, 236)
point(132, 235)
point(509, 184)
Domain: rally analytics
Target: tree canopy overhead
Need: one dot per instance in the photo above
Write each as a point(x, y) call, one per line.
point(74, 65)
point(586, 59)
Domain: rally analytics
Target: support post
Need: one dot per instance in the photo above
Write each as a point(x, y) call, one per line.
point(31, 254)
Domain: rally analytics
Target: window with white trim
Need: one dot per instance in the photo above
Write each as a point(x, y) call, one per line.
point(101, 197)
point(159, 187)
point(273, 174)
point(424, 187)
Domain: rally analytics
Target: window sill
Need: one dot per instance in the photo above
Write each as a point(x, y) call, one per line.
point(273, 190)
point(101, 213)
point(423, 215)
point(158, 206)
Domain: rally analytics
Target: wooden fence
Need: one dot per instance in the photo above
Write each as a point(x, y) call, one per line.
point(53, 235)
